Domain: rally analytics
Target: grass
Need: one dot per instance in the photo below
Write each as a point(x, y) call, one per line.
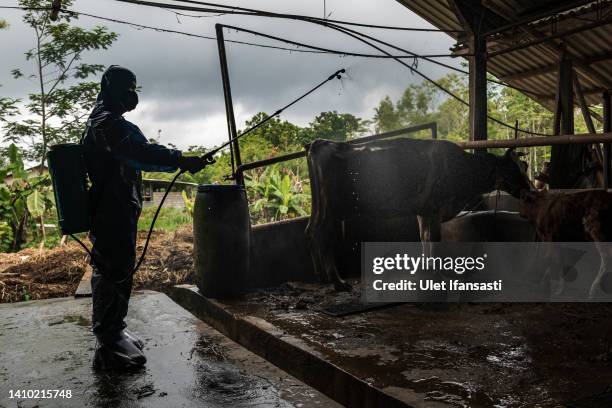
point(169, 219)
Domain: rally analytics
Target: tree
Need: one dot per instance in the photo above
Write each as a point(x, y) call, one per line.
point(453, 117)
point(63, 96)
point(278, 133)
point(416, 105)
point(386, 117)
point(334, 126)
point(8, 109)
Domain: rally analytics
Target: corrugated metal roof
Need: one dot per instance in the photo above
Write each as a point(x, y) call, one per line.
point(590, 49)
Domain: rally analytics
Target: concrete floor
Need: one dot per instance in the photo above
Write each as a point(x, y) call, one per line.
point(48, 345)
point(453, 355)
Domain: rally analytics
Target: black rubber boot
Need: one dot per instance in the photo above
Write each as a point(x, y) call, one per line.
point(135, 340)
point(117, 352)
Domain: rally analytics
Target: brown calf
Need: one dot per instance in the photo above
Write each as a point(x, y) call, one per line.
point(572, 217)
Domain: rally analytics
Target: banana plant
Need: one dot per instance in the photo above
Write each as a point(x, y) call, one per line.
point(20, 199)
point(188, 203)
point(276, 195)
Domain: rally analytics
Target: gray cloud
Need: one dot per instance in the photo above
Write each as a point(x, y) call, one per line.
point(182, 92)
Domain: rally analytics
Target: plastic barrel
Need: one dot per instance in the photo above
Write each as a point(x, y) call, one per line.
point(222, 236)
point(69, 178)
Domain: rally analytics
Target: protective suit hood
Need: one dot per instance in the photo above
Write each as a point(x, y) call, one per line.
point(118, 90)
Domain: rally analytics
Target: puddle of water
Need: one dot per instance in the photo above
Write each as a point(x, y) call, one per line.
point(77, 319)
point(453, 393)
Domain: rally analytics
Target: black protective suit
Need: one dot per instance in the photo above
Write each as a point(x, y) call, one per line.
point(115, 153)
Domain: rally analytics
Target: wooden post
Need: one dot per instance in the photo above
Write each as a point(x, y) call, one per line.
point(567, 97)
point(478, 89)
point(565, 161)
point(476, 20)
point(594, 150)
point(607, 127)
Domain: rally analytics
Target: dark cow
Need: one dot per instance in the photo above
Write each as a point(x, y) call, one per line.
point(572, 217)
point(431, 179)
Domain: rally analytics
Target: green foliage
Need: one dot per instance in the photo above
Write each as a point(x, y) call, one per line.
point(24, 197)
point(276, 194)
point(6, 236)
point(63, 97)
point(386, 117)
point(169, 219)
point(334, 126)
point(189, 202)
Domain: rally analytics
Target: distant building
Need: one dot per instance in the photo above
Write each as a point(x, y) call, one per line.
point(153, 190)
point(32, 172)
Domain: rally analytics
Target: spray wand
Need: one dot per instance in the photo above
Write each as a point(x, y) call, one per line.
point(208, 159)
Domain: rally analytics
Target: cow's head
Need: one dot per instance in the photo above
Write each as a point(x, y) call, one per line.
point(511, 175)
point(530, 204)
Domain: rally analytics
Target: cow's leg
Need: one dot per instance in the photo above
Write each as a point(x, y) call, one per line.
point(593, 227)
point(429, 231)
point(596, 285)
point(324, 241)
point(314, 223)
point(315, 256)
point(321, 230)
point(557, 279)
point(314, 245)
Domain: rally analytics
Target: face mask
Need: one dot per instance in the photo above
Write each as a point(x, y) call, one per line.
point(130, 100)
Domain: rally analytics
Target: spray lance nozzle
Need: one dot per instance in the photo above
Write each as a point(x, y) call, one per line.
point(208, 157)
point(337, 74)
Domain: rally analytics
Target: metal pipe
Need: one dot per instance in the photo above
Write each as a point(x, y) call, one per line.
point(229, 105)
point(585, 138)
point(297, 155)
point(607, 127)
point(273, 160)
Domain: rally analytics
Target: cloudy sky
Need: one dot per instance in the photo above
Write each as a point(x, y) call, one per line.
point(180, 78)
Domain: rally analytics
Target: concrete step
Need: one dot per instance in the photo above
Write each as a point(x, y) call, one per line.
point(48, 344)
point(84, 288)
point(422, 355)
point(292, 354)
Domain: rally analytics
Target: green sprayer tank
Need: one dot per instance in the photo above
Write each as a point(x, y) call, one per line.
point(69, 177)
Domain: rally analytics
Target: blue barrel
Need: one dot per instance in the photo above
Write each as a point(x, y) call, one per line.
point(222, 240)
point(69, 178)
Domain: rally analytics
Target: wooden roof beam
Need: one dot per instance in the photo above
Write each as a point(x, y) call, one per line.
point(547, 38)
point(553, 67)
point(474, 17)
point(529, 16)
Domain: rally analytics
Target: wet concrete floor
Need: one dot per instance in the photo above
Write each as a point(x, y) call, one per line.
point(48, 345)
point(459, 355)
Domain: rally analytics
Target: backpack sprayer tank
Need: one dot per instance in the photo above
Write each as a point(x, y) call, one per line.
point(69, 178)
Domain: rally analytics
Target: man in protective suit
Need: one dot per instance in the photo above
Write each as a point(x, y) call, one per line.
point(116, 152)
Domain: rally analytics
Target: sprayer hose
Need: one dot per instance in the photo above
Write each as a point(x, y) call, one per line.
point(146, 245)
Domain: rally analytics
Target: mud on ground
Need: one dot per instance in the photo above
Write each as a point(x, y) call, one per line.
point(56, 272)
point(485, 355)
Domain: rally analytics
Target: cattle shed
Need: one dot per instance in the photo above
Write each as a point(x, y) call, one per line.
point(453, 354)
point(556, 52)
